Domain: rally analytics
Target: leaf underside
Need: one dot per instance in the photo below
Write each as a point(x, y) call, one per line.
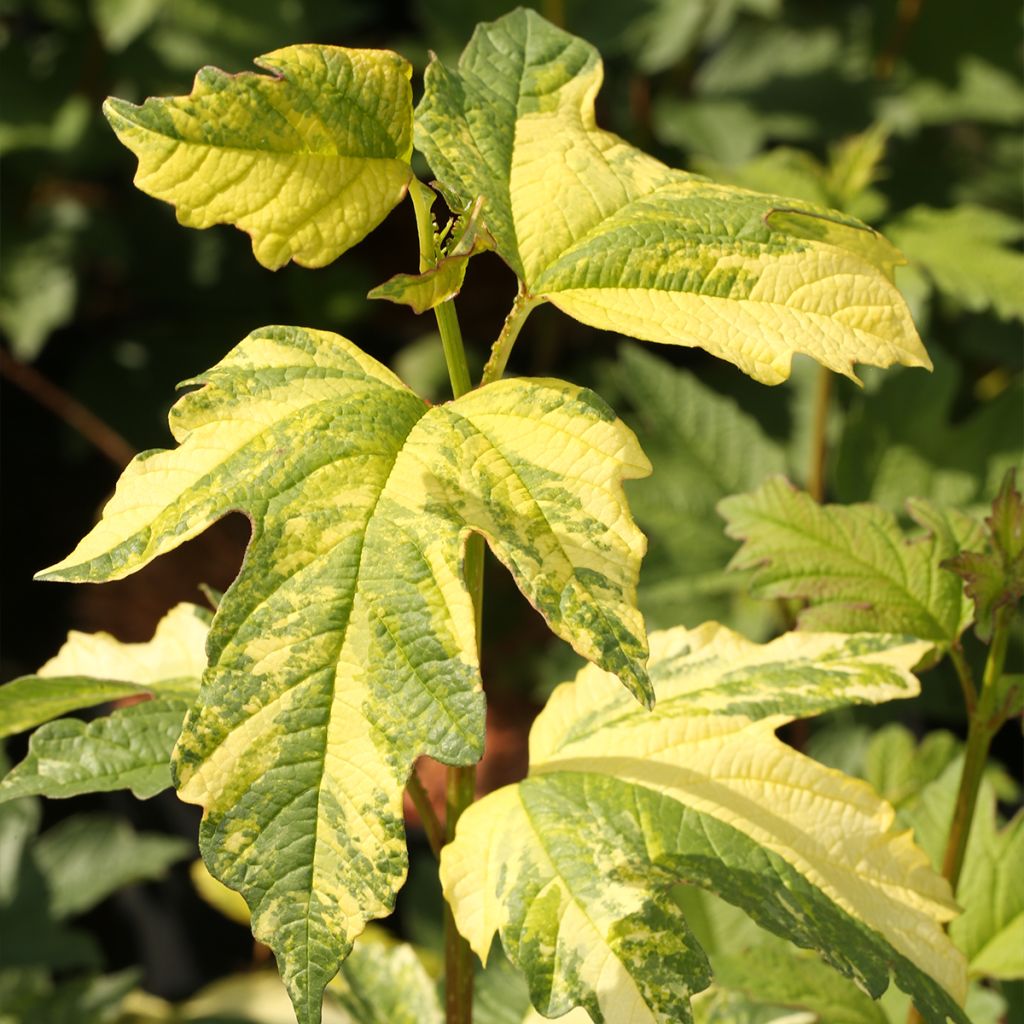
point(307, 160)
point(572, 866)
point(622, 242)
point(347, 646)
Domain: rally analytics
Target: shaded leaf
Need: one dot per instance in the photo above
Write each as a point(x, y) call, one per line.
point(853, 564)
point(347, 646)
point(570, 866)
point(307, 160)
point(618, 240)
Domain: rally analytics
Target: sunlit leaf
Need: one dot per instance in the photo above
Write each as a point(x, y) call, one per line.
point(307, 160)
point(618, 240)
point(572, 865)
point(347, 646)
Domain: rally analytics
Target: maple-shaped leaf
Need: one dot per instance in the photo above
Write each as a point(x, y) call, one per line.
point(620, 241)
point(853, 564)
point(130, 748)
point(347, 645)
point(573, 865)
point(994, 579)
point(307, 160)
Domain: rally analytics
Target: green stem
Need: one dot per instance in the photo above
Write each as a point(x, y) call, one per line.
point(461, 780)
point(966, 677)
point(982, 727)
point(819, 440)
point(421, 800)
point(502, 347)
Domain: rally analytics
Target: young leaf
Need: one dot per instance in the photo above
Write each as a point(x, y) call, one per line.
point(618, 240)
point(571, 865)
point(347, 646)
point(994, 579)
point(92, 668)
point(307, 160)
point(127, 749)
point(853, 564)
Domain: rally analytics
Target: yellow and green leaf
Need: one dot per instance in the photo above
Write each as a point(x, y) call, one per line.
point(129, 748)
point(308, 160)
point(620, 241)
point(347, 646)
point(573, 865)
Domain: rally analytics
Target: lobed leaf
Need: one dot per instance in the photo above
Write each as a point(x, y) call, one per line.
point(307, 160)
point(572, 865)
point(347, 646)
point(852, 563)
point(622, 242)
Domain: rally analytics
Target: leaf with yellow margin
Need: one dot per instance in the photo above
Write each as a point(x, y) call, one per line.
point(617, 239)
point(347, 645)
point(573, 866)
point(307, 160)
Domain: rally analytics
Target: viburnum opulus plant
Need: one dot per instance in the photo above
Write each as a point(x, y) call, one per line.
point(348, 645)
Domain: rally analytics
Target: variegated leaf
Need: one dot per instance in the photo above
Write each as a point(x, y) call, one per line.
point(307, 160)
point(127, 749)
point(618, 240)
point(572, 866)
point(347, 646)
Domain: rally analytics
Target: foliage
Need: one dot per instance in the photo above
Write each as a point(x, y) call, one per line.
point(350, 642)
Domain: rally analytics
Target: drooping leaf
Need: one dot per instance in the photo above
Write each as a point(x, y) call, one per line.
point(853, 564)
point(131, 747)
point(431, 287)
point(703, 447)
point(571, 866)
point(86, 858)
point(618, 240)
point(347, 646)
point(307, 160)
point(92, 668)
point(967, 251)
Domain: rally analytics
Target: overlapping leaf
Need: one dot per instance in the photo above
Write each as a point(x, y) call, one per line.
point(852, 563)
point(572, 865)
point(307, 161)
point(129, 748)
point(347, 646)
point(618, 240)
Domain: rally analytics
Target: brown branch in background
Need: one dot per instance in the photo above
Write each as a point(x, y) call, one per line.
point(906, 16)
point(67, 408)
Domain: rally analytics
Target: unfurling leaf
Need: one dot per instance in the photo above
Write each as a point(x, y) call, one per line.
point(572, 866)
point(308, 160)
point(347, 646)
point(852, 564)
point(622, 242)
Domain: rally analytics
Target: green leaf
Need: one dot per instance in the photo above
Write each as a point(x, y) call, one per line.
point(444, 281)
point(307, 160)
point(120, 22)
point(618, 240)
point(966, 251)
point(703, 447)
point(86, 858)
point(852, 564)
point(571, 865)
point(347, 646)
point(93, 668)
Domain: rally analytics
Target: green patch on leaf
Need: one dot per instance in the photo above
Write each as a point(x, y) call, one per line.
point(307, 160)
point(633, 246)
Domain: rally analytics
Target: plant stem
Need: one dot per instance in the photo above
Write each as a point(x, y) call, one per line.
point(966, 677)
point(819, 447)
point(983, 725)
point(431, 824)
point(67, 408)
point(461, 780)
point(502, 347)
